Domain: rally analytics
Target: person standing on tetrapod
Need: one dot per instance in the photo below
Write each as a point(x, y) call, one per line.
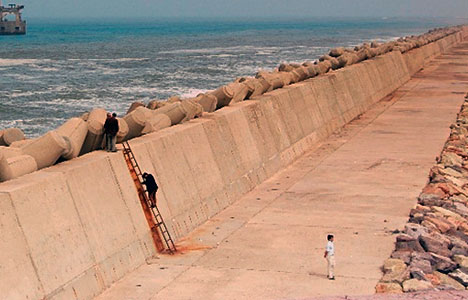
point(151, 187)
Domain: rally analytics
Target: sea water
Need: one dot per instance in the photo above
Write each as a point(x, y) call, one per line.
point(61, 69)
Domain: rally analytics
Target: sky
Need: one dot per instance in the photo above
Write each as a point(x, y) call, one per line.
point(241, 8)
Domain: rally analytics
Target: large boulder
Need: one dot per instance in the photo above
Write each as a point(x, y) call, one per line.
point(406, 242)
point(461, 260)
point(461, 276)
point(395, 270)
point(443, 264)
point(449, 281)
point(415, 285)
point(388, 288)
point(432, 243)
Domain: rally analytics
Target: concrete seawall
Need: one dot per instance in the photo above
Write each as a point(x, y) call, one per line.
point(71, 230)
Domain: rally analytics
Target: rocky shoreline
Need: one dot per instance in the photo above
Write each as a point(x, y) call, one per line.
point(432, 251)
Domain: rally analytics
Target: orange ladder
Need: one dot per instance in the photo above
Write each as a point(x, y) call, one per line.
point(153, 216)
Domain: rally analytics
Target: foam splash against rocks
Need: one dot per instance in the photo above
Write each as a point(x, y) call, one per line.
point(432, 251)
point(82, 135)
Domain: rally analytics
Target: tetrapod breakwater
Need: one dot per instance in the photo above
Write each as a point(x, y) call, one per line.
point(76, 227)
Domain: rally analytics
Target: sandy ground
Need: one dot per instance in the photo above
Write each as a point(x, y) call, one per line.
point(359, 185)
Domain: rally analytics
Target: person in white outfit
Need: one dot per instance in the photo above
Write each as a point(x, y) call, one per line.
point(330, 256)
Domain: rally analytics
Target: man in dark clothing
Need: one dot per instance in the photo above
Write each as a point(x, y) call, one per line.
point(111, 127)
point(151, 187)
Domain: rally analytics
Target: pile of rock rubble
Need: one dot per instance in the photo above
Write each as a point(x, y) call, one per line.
point(81, 135)
point(432, 251)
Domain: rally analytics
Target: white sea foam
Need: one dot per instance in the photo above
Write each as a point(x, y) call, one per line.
point(191, 93)
point(7, 62)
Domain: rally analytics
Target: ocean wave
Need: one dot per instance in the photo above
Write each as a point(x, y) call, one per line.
point(9, 62)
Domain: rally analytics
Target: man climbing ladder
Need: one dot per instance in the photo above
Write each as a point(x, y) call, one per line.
point(151, 187)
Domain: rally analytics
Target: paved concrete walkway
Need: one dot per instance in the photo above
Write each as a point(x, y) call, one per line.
point(359, 185)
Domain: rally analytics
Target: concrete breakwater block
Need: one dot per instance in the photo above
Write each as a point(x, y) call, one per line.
point(74, 131)
point(16, 166)
point(10, 135)
point(9, 152)
point(123, 130)
point(134, 106)
point(207, 101)
point(20, 144)
point(192, 110)
point(155, 104)
point(156, 123)
point(337, 52)
point(223, 96)
point(240, 92)
point(47, 149)
point(136, 121)
point(85, 116)
point(256, 86)
point(323, 67)
point(335, 64)
point(174, 111)
point(93, 140)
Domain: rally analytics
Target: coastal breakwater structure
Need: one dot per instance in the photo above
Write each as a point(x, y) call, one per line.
point(75, 228)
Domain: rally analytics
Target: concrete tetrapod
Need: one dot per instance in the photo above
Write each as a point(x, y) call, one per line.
point(10, 152)
point(75, 131)
point(123, 130)
point(134, 106)
point(156, 123)
point(255, 86)
point(47, 149)
point(241, 90)
point(224, 96)
point(11, 135)
point(136, 121)
point(192, 110)
point(93, 140)
point(20, 144)
point(16, 166)
point(174, 111)
point(207, 101)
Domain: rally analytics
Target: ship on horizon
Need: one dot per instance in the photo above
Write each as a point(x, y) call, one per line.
point(11, 27)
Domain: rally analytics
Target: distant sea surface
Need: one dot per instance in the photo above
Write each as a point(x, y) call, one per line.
point(61, 69)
